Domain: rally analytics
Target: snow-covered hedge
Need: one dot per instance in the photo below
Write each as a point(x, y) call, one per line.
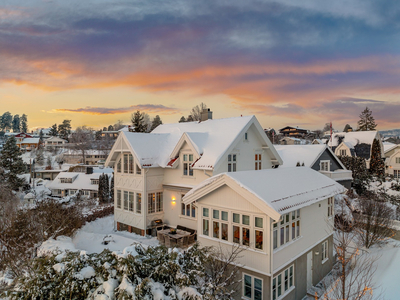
point(154, 273)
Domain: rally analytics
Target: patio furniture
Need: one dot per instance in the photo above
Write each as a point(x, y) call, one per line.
point(183, 242)
point(172, 240)
point(191, 239)
point(161, 238)
point(167, 241)
point(181, 227)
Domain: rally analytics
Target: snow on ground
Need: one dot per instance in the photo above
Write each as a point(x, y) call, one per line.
point(376, 185)
point(91, 237)
point(387, 272)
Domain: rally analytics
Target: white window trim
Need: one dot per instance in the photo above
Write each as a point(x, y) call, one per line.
point(282, 273)
point(189, 162)
point(191, 208)
point(326, 243)
point(252, 286)
point(325, 162)
point(279, 226)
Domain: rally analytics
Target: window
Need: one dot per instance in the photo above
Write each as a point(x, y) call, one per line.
point(343, 152)
point(126, 163)
point(241, 234)
point(126, 200)
point(324, 251)
point(397, 160)
point(94, 181)
point(131, 203)
point(138, 203)
point(330, 206)
point(66, 180)
point(257, 162)
point(324, 165)
point(187, 164)
point(119, 166)
point(118, 199)
point(188, 210)
point(396, 173)
point(252, 287)
point(130, 157)
point(282, 282)
point(282, 233)
point(155, 202)
point(245, 136)
point(232, 163)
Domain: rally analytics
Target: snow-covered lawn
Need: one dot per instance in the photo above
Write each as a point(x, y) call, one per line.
point(90, 238)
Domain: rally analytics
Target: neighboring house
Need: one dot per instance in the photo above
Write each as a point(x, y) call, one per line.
point(92, 157)
point(292, 141)
point(151, 167)
point(282, 218)
point(110, 134)
point(70, 183)
point(320, 141)
point(355, 143)
point(18, 136)
point(47, 174)
point(45, 133)
point(55, 142)
point(392, 159)
point(29, 144)
point(317, 157)
point(293, 131)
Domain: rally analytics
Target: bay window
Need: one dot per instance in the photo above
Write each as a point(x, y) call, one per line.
point(282, 233)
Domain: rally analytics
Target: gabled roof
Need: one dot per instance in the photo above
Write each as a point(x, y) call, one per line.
point(30, 141)
point(353, 138)
point(81, 181)
point(307, 154)
point(268, 189)
point(210, 139)
point(294, 127)
point(387, 146)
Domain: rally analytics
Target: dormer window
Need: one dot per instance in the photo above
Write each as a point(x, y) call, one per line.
point(66, 180)
point(94, 181)
point(257, 165)
point(187, 164)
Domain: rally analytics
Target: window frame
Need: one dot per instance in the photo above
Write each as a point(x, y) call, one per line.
point(287, 227)
point(325, 165)
point(279, 290)
point(232, 162)
point(324, 251)
point(252, 287)
point(331, 207)
point(258, 161)
point(155, 203)
point(187, 162)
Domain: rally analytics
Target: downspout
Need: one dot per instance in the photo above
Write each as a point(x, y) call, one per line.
point(271, 249)
point(144, 199)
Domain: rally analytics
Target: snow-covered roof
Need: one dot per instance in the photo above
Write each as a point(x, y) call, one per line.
point(82, 181)
point(387, 146)
point(305, 187)
point(56, 138)
point(293, 154)
point(211, 139)
point(353, 138)
point(87, 152)
point(30, 141)
point(320, 141)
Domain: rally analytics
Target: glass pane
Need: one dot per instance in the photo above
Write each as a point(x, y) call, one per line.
point(216, 230)
point(293, 230)
point(205, 227)
point(247, 280)
point(259, 239)
point(256, 156)
point(282, 235)
point(138, 203)
point(190, 171)
point(257, 284)
point(229, 168)
point(224, 215)
point(234, 157)
point(245, 220)
point(287, 217)
point(185, 169)
point(246, 236)
point(259, 222)
point(229, 157)
point(205, 212)
point(256, 166)
point(215, 214)
point(188, 210)
point(183, 209)
point(234, 168)
point(236, 234)
point(224, 231)
point(190, 157)
point(275, 239)
point(193, 211)
point(247, 291)
point(236, 218)
point(298, 229)
point(293, 215)
point(286, 280)
point(257, 295)
point(287, 233)
point(298, 213)
point(185, 157)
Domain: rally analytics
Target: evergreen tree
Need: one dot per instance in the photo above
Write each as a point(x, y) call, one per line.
point(347, 128)
point(110, 128)
point(104, 128)
point(64, 129)
point(137, 120)
point(53, 130)
point(367, 121)
point(190, 118)
point(41, 134)
point(112, 189)
point(377, 165)
point(6, 121)
point(156, 121)
point(16, 123)
point(100, 189)
point(182, 119)
point(361, 176)
point(49, 163)
point(24, 123)
point(10, 160)
point(40, 155)
point(106, 188)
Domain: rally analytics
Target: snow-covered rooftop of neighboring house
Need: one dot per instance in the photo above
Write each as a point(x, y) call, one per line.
point(82, 181)
point(353, 138)
point(387, 146)
point(56, 138)
point(321, 141)
point(293, 154)
point(211, 139)
point(283, 189)
point(296, 127)
point(30, 141)
point(87, 152)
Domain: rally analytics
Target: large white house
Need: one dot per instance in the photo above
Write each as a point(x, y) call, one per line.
point(174, 172)
point(392, 159)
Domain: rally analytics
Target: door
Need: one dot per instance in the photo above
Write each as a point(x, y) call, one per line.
point(309, 269)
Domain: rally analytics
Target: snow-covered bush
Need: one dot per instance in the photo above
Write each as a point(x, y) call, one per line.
point(153, 273)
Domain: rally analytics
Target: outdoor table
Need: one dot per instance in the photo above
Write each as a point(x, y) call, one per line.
point(179, 233)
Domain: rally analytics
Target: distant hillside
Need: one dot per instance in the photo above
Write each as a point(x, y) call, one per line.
point(391, 132)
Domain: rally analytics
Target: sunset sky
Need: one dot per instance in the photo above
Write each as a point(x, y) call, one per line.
point(300, 63)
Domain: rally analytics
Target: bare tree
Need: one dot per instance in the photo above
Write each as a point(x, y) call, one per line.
point(373, 221)
point(197, 110)
point(82, 140)
point(353, 274)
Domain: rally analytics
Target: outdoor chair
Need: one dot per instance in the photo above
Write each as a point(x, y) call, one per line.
point(173, 243)
point(180, 227)
point(184, 242)
point(161, 238)
point(191, 239)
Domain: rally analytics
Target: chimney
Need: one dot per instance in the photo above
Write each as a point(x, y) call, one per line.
point(89, 170)
point(206, 114)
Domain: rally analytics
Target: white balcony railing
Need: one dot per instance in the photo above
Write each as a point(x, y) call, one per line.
point(338, 174)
